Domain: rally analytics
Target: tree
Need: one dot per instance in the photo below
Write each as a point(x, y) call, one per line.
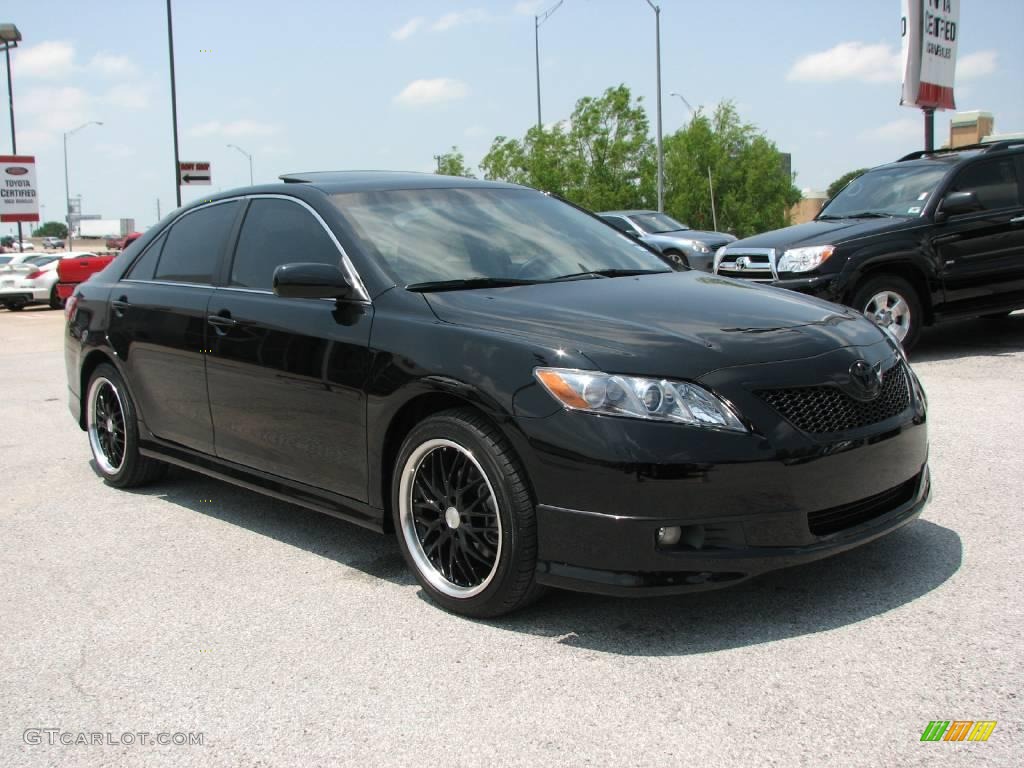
point(842, 181)
point(602, 159)
point(453, 164)
point(51, 229)
point(752, 193)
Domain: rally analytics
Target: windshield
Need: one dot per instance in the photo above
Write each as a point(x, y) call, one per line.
point(432, 235)
point(655, 223)
point(891, 191)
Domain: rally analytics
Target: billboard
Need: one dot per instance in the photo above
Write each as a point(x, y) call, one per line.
point(929, 30)
point(19, 196)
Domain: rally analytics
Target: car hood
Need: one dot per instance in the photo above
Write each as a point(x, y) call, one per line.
point(818, 233)
point(681, 324)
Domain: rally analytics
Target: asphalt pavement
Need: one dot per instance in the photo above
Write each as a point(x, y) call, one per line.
point(280, 637)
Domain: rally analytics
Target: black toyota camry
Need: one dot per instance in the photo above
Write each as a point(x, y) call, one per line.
point(525, 396)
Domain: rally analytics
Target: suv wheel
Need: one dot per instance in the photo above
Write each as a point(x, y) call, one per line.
point(892, 302)
point(464, 517)
point(110, 420)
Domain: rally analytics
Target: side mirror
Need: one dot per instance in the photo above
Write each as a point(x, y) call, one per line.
point(958, 202)
point(311, 281)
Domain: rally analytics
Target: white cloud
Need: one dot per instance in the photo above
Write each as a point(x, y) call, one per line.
point(865, 62)
point(128, 96)
point(436, 91)
point(234, 129)
point(49, 60)
point(457, 18)
point(903, 129)
point(112, 65)
point(408, 29)
point(976, 65)
point(54, 109)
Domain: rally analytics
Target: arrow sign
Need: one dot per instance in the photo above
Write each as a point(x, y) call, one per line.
point(194, 174)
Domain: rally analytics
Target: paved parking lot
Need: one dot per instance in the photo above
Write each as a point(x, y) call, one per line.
point(288, 638)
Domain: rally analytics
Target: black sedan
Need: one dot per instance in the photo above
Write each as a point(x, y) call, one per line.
point(525, 397)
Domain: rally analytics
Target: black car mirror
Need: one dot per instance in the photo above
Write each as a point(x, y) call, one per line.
point(311, 281)
point(958, 202)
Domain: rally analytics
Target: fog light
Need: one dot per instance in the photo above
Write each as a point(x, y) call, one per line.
point(669, 537)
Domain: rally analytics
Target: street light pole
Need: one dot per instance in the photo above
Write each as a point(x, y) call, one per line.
point(67, 186)
point(235, 146)
point(661, 152)
point(174, 106)
point(537, 21)
point(711, 186)
point(11, 37)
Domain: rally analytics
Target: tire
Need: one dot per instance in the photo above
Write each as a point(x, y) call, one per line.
point(677, 259)
point(16, 307)
point(892, 297)
point(112, 425)
point(453, 469)
point(56, 302)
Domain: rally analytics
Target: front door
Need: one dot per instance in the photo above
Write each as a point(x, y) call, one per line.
point(286, 376)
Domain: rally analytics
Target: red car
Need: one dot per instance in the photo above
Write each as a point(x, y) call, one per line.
point(120, 243)
point(71, 272)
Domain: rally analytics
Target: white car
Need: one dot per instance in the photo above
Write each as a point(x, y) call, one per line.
point(15, 258)
point(33, 281)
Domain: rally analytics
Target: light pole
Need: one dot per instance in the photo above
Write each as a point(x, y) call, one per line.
point(537, 21)
point(683, 99)
point(174, 106)
point(235, 146)
point(10, 36)
point(661, 153)
point(67, 186)
point(711, 186)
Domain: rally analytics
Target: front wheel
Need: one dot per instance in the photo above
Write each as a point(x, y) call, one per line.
point(892, 302)
point(464, 516)
point(677, 260)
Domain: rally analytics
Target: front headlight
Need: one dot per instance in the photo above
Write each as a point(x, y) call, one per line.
point(696, 245)
point(804, 259)
point(639, 398)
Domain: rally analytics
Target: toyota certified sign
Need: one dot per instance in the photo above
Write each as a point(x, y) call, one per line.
point(929, 30)
point(19, 197)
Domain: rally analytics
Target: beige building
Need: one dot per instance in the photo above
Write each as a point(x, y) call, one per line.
point(808, 207)
point(977, 127)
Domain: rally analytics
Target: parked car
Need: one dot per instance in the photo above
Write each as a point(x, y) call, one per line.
point(52, 242)
point(33, 281)
point(71, 272)
point(522, 395)
point(934, 236)
point(10, 259)
point(120, 243)
point(689, 247)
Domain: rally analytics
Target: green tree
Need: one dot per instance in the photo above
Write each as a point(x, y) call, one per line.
point(603, 159)
point(51, 229)
point(751, 192)
point(453, 164)
point(842, 181)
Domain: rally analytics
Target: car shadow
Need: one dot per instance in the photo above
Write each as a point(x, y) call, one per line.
point(971, 338)
point(851, 587)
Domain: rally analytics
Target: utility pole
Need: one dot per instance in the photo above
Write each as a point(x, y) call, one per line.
point(711, 188)
point(158, 209)
point(11, 38)
point(929, 128)
point(537, 21)
point(661, 153)
point(174, 105)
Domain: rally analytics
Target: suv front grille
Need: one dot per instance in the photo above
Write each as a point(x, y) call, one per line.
point(827, 521)
point(748, 264)
point(823, 410)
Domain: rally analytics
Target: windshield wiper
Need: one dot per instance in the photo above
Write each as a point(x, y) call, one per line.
point(608, 273)
point(468, 283)
point(860, 215)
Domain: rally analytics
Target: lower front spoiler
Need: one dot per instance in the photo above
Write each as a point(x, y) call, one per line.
point(703, 570)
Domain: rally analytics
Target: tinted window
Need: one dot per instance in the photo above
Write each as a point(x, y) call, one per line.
point(619, 223)
point(994, 181)
point(195, 244)
point(656, 223)
point(278, 232)
point(902, 189)
point(143, 268)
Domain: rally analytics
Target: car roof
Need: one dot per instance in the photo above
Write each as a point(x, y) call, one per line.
point(333, 182)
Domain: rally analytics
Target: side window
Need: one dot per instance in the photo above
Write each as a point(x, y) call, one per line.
point(195, 244)
point(620, 224)
point(278, 232)
point(145, 265)
point(995, 182)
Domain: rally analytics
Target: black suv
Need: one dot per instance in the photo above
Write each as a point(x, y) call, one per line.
point(934, 236)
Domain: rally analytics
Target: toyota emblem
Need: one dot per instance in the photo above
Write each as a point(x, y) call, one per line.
point(866, 380)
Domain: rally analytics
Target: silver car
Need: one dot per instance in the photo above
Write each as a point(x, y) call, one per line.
point(677, 242)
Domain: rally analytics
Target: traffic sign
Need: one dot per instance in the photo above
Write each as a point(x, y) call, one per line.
point(194, 174)
point(19, 196)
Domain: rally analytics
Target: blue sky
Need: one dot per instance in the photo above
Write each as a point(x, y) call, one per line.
point(311, 84)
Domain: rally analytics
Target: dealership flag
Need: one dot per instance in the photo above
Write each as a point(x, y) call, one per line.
point(929, 30)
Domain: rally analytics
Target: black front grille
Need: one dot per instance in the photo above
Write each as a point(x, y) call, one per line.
point(827, 521)
point(823, 410)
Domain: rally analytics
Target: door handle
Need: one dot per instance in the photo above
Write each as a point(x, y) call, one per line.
point(1017, 220)
point(221, 322)
point(120, 305)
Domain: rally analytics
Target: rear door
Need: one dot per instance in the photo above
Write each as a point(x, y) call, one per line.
point(158, 323)
point(286, 376)
point(982, 253)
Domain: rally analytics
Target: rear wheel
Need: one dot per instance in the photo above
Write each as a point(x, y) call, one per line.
point(112, 425)
point(464, 517)
point(892, 302)
point(56, 302)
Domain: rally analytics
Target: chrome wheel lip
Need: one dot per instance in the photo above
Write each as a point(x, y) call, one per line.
point(408, 523)
point(890, 310)
point(97, 426)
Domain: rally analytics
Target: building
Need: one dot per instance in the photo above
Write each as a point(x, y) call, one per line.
point(977, 127)
point(808, 207)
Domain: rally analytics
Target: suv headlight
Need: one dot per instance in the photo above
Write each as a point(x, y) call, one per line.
point(639, 398)
point(696, 245)
point(804, 259)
